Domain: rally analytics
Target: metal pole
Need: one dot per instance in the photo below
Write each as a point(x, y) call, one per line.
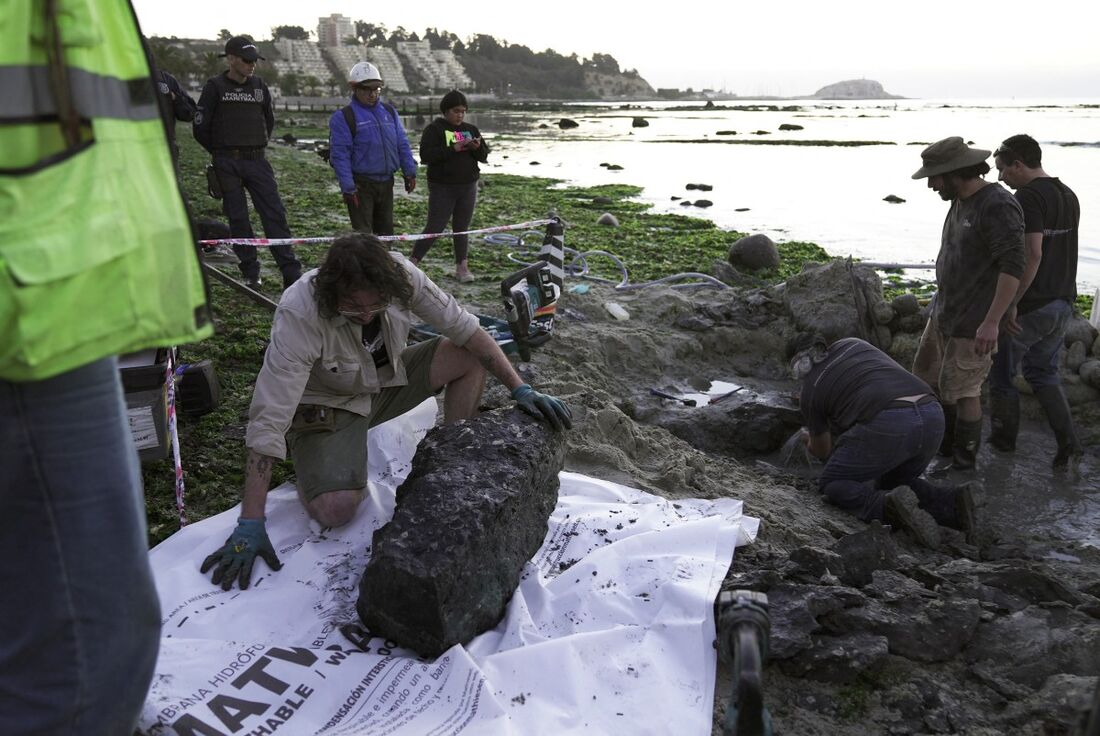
point(239, 287)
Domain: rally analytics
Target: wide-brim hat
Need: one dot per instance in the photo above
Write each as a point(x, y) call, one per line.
point(242, 46)
point(950, 154)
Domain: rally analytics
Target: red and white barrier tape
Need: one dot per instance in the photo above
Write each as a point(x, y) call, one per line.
point(267, 243)
point(173, 435)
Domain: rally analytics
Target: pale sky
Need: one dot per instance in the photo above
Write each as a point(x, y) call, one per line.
point(931, 48)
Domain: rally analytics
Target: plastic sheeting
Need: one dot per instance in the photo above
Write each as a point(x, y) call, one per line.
point(611, 629)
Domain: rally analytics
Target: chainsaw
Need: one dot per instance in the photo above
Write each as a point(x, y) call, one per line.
point(530, 296)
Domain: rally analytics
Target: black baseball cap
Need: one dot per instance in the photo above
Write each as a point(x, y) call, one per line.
point(242, 46)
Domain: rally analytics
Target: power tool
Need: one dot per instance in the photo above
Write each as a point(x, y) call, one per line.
point(530, 297)
point(743, 627)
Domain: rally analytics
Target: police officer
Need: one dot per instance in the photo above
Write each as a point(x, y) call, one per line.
point(234, 121)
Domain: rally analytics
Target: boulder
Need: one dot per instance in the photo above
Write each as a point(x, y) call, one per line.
point(608, 219)
point(1031, 645)
point(1079, 329)
point(1095, 349)
point(700, 187)
point(893, 199)
point(744, 425)
point(600, 200)
point(566, 123)
point(1076, 356)
point(839, 659)
point(790, 126)
point(835, 299)
point(471, 513)
point(1090, 372)
point(882, 312)
point(905, 304)
point(639, 123)
point(761, 132)
point(614, 167)
point(918, 629)
point(702, 203)
point(726, 132)
point(727, 274)
point(754, 252)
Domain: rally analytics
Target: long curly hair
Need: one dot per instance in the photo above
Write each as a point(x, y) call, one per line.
point(355, 262)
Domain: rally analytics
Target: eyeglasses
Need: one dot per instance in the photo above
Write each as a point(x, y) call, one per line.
point(372, 88)
point(364, 313)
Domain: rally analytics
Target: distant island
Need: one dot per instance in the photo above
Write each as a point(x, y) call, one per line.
point(854, 89)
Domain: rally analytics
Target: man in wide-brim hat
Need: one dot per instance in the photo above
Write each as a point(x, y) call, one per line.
point(978, 271)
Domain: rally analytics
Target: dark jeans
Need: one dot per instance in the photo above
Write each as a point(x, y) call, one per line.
point(1036, 348)
point(79, 616)
point(375, 211)
point(454, 202)
point(256, 176)
point(891, 450)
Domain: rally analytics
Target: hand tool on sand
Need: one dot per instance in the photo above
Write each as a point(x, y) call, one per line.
point(663, 395)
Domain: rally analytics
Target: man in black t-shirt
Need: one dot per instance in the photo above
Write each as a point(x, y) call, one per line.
point(978, 269)
point(1035, 324)
point(888, 426)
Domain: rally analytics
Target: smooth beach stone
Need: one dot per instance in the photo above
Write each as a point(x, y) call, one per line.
point(702, 203)
point(1075, 356)
point(754, 252)
point(893, 199)
point(639, 123)
point(566, 123)
point(1079, 329)
point(608, 219)
point(905, 304)
point(790, 126)
point(602, 200)
point(471, 513)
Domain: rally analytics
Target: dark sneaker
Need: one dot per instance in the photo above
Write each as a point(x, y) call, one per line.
point(964, 510)
point(254, 283)
point(902, 512)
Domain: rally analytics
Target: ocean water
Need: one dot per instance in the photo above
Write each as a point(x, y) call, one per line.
point(831, 195)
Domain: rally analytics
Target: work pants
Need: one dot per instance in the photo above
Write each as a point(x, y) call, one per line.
point(79, 616)
point(872, 458)
point(375, 211)
point(255, 175)
point(1035, 349)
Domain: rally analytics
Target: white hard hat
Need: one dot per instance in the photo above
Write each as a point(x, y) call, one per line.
point(364, 71)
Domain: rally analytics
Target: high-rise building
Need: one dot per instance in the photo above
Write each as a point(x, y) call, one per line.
point(332, 31)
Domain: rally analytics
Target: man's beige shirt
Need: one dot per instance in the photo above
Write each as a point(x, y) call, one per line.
point(314, 360)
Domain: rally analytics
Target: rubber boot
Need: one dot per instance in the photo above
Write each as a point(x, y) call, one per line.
point(1004, 421)
point(1054, 403)
point(950, 416)
point(968, 438)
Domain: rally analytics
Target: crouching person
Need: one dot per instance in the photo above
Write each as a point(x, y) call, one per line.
point(338, 364)
point(888, 426)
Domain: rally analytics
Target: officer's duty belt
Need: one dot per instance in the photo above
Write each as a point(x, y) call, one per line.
point(245, 153)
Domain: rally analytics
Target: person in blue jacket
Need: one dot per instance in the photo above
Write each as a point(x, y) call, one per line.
point(366, 156)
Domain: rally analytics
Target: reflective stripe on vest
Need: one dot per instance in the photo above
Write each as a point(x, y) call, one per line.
point(28, 95)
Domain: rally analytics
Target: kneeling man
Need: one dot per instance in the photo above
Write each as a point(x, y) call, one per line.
point(888, 426)
point(338, 364)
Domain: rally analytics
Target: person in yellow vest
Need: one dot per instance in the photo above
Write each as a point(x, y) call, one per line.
point(97, 258)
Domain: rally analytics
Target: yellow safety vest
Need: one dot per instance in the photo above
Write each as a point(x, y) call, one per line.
point(97, 256)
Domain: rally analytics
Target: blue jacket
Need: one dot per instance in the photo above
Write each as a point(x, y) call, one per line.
point(380, 146)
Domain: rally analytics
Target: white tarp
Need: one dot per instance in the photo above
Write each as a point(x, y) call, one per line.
point(610, 631)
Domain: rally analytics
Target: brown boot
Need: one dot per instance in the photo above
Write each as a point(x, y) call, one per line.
point(902, 512)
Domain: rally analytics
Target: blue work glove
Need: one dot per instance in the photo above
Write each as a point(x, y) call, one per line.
point(541, 406)
point(236, 557)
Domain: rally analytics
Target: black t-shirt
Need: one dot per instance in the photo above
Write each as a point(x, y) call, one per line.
point(1051, 208)
point(373, 342)
point(854, 383)
point(983, 237)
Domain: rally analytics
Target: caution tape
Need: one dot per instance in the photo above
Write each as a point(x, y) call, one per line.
point(268, 242)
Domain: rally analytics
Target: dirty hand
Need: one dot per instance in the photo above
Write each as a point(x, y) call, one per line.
point(236, 557)
point(541, 406)
point(410, 183)
point(351, 198)
point(985, 339)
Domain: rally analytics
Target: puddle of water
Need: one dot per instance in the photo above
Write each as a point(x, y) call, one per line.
point(717, 390)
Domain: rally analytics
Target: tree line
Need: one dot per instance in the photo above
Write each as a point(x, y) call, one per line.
point(493, 64)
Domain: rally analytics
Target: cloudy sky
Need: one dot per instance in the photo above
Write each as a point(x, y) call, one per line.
point(932, 48)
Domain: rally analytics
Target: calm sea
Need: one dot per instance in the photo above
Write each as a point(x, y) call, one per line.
point(830, 195)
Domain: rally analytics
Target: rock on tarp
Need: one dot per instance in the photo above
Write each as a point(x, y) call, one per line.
point(472, 511)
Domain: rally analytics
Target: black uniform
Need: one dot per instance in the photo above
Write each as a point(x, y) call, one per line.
point(233, 122)
point(175, 104)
